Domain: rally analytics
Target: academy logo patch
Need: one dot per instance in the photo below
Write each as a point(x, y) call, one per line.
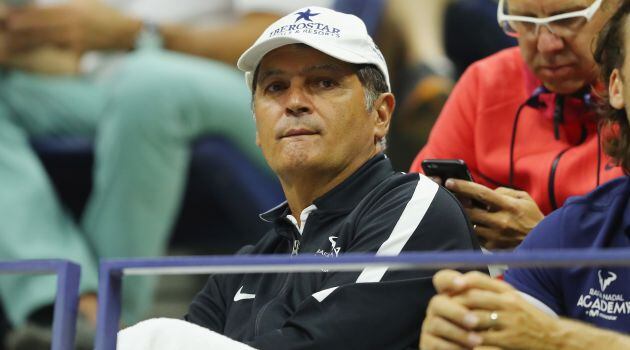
point(607, 306)
point(606, 280)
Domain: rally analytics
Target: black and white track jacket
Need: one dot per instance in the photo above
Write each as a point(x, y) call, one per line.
point(374, 210)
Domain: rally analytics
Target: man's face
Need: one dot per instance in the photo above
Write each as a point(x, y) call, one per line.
point(310, 112)
point(563, 64)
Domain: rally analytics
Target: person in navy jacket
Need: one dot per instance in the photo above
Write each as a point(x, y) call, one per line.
point(538, 307)
point(322, 105)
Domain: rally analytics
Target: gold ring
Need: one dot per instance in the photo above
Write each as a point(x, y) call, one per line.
point(494, 319)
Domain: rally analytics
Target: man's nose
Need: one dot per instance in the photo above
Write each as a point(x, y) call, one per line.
point(298, 102)
point(548, 41)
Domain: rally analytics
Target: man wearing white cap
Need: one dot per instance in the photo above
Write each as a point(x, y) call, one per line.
point(322, 105)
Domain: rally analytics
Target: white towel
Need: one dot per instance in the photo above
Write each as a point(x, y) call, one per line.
point(170, 334)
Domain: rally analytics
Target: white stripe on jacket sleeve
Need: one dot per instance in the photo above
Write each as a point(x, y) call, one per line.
point(406, 225)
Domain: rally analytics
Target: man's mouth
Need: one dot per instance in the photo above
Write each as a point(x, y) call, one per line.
point(298, 132)
point(557, 69)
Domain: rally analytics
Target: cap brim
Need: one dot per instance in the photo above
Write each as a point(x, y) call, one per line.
point(252, 57)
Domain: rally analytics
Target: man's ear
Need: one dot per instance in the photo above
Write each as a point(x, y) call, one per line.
point(255, 124)
point(383, 110)
point(615, 90)
point(257, 139)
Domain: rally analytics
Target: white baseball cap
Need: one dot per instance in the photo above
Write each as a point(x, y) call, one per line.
point(336, 34)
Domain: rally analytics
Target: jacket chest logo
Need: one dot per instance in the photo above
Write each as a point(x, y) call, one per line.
point(334, 250)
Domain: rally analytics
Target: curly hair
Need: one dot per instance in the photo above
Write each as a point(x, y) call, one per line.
point(610, 55)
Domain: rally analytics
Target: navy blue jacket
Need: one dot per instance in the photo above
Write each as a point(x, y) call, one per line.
point(375, 210)
point(597, 295)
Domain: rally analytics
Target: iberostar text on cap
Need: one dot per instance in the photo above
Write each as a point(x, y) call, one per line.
point(336, 34)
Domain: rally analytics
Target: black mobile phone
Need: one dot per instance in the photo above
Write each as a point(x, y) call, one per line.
point(446, 169)
point(450, 169)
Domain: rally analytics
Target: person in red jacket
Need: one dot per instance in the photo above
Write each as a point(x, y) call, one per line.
point(524, 121)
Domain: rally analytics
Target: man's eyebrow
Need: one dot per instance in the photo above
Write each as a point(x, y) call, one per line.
point(325, 66)
point(568, 9)
point(318, 67)
point(270, 72)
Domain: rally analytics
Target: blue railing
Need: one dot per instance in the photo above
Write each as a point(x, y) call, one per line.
point(67, 299)
point(112, 271)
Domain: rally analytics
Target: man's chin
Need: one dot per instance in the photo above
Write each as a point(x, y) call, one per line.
point(565, 87)
point(295, 160)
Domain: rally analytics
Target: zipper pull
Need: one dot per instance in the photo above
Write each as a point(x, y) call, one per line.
point(296, 247)
point(558, 116)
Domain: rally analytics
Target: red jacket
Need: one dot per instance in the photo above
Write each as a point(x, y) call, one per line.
point(480, 117)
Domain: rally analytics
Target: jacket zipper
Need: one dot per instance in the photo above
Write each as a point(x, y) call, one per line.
point(294, 251)
point(551, 185)
point(296, 247)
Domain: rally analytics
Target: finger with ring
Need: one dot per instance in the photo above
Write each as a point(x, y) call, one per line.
point(494, 319)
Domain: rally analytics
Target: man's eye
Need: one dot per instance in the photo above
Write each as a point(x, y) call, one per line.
point(274, 87)
point(326, 83)
point(571, 22)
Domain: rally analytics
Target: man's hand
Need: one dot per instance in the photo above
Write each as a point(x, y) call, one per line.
point(508, 321)
point(449, 324)
point(77, 25)
point(474, 311)
point(507, 216)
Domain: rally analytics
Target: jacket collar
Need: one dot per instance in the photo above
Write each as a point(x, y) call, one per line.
point(347, 194)
point(577, 106)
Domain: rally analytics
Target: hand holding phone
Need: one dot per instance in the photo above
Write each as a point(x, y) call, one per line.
point(446, 169)
point(499, 206)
